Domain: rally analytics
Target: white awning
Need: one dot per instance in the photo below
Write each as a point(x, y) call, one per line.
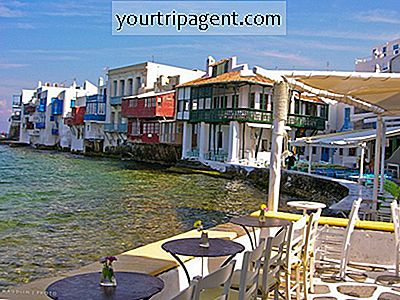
point(344, 139)
point(376, 92)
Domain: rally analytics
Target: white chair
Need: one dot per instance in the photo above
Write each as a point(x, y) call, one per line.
point(294, 251)
point(396, 221)
point(308, 259)
point(188, 293)
point(215, 286)
point(272, 264)
point(329, 241)
point(246, 279)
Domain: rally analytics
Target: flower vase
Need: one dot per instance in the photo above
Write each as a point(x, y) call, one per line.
point(204, 240)
point(108, 277)
point(261, 217)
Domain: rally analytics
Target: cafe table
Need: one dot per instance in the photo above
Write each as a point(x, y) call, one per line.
point(254, 222)
point(130, 286)
point(191, 247)
point(306, 205)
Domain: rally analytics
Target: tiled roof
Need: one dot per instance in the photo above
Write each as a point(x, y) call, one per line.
point(311, 98)
point(230, 77)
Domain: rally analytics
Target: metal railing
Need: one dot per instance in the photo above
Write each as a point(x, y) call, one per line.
point(114, 127)
point(308, 122)
point(231, 114)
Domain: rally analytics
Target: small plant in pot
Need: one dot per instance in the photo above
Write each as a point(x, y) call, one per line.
point(107, 274)
point(204, 242)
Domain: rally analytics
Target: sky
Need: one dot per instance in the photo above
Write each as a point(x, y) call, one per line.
point(58, 41)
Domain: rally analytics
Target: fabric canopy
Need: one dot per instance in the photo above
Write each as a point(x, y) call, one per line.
point(344, 139)
point(376, 92)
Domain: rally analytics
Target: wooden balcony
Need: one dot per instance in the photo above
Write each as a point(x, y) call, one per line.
point(231, 114)
point(222, 115)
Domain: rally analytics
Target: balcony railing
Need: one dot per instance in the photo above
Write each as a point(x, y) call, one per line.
point(94, 117)
point(120, 128)
point(116, 100)
point(254, 115)
point(231, 114)
point(40, 125)
point(308, 122)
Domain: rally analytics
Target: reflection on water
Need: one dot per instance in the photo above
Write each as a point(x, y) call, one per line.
point(59, 211)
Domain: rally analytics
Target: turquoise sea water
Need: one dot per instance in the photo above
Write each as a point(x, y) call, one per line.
point(59, 211)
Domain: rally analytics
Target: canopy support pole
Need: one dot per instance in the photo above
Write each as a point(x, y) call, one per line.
point(378, 146)
point(280, 97)
point(309, 158)
point(382, 181)
point(362, 159)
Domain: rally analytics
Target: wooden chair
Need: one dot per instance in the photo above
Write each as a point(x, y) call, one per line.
point(396, 221)
point(215, 285)
point(245, 280)
point(308, 257)
point(272, 264)
point(330, 241)
point(293, 256)
point(188, 293)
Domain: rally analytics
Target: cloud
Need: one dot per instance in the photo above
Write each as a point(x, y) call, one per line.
point(379, 16)
point(292, 57)
point(11, 66)
point(6, 12)
point(348, 35)
point(75, 9)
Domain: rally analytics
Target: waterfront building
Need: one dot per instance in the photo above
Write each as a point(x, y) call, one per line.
point(131, 81)
point(384, 58)
point(52, 103)
point(75, 121)
point(227, 114)
point(151, 115)
point(94, 119)
point(24, 121)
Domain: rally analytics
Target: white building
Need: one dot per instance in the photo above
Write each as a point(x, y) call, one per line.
point(228, 114)
point(129, 81)
point(384, 58)
point(27, 110)
point(52, 104)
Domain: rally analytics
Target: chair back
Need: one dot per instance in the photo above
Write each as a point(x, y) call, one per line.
point(215, 280)
point(188, 293)
point(311, 234)
point(396, 222)
point(353, 217)
point(273, 260)
point(295, 240)
point(251, 266)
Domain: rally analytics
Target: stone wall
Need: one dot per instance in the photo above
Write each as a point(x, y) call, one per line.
point(295, 185)
point(158, 153)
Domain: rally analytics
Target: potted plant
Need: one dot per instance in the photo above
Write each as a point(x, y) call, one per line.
point(263, 211)
point(107, 274)
point(204, 242)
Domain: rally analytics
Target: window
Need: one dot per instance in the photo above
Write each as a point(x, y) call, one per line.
point(352, 151)
point(252, 101)
point(122, 88)
point(341, 151)
point(220, 69)
point(115, 88)
point(314, 150)
point(235, 101)
point(396, 49)
point(130, 87)
point(219, 139)
point(133, 103)
point(264, 145)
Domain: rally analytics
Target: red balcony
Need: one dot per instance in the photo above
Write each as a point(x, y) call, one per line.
point(77, 117)
point(150, 106)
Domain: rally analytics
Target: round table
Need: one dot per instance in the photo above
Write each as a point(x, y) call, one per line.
point(254, 222)
point(130, 286)
point(191, 247)
point(306, 205)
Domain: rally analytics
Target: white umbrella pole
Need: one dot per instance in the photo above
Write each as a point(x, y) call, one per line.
point(309, 158)
point(382, 181)
point(280, 99)
point(362, 158)
point(377, 158)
